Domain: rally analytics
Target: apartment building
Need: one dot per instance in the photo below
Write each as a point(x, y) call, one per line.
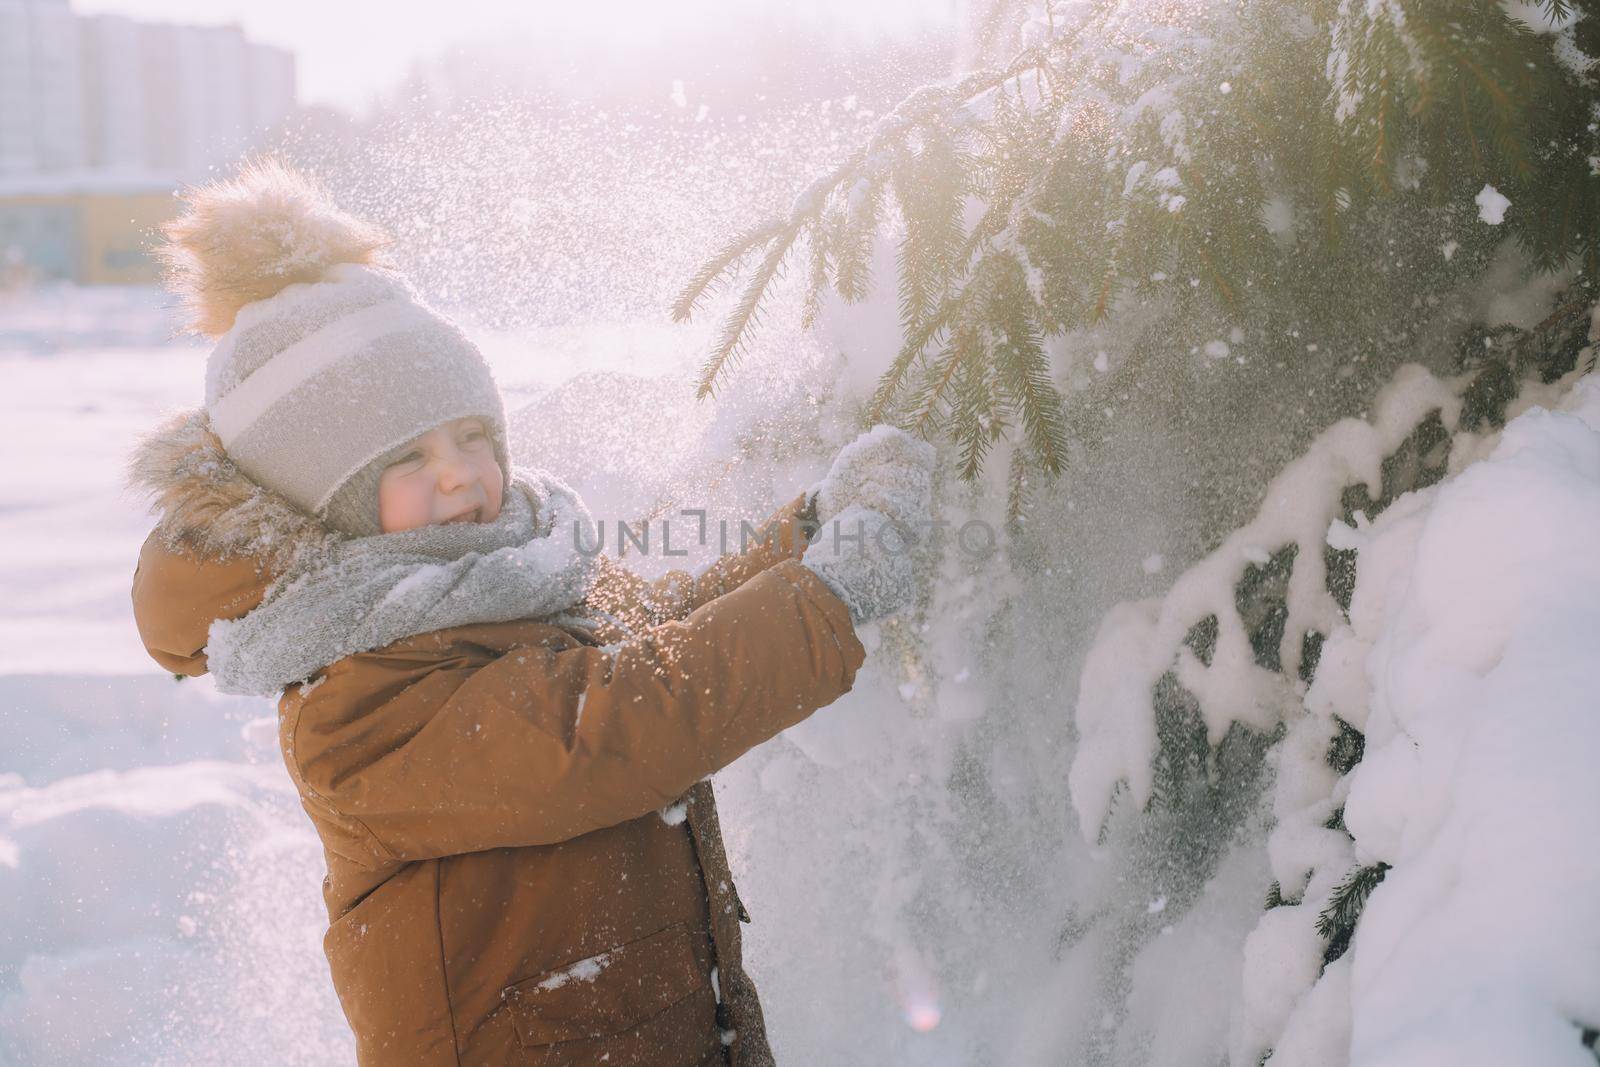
point(102, 116)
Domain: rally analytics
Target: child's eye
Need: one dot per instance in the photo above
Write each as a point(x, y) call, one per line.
point(409, 457)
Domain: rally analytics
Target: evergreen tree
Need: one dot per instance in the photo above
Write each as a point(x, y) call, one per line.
point(1307, 174)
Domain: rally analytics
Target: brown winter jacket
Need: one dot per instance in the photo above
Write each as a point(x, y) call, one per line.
point(524, 862)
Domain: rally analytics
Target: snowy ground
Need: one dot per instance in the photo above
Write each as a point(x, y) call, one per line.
point(128, 802)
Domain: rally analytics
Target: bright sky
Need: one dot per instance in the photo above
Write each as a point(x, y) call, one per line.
point(348, 50)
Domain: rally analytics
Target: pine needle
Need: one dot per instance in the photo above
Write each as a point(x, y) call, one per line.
point(725, 260)
point(743, 319)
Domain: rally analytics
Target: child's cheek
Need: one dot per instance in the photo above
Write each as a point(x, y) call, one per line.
point(494, 488)
point(397, 508)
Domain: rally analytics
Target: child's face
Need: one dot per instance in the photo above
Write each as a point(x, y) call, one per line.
point(448, 475)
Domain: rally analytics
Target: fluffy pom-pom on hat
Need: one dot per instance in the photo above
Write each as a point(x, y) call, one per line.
point(243, 239)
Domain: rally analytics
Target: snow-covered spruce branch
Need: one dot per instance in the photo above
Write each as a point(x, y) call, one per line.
point(1138, 642)
point(1439, 680)
point(1396, 861)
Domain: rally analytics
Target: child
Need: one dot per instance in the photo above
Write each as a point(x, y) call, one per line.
point(502, 740)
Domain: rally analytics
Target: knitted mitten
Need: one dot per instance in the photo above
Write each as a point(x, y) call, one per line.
point(886, 470)
point(866, 559)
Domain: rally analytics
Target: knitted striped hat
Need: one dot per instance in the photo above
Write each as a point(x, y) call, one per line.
point(327, 363)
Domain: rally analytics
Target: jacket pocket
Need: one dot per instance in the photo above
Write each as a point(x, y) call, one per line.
point(646, 1002)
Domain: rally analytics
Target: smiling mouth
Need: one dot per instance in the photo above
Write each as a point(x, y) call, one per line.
point(465, 516)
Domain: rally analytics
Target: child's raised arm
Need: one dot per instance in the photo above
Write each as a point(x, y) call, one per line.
point(541, 743)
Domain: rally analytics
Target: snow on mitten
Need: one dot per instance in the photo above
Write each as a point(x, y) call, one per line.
point(866, 559)
point(886, 470)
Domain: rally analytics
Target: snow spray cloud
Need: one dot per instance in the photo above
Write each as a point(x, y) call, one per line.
point(517, 214)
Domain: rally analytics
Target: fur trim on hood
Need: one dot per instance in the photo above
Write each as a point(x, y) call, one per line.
point(208, 505)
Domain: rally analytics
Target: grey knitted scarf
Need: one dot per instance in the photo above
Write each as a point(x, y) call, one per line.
point(537, 559)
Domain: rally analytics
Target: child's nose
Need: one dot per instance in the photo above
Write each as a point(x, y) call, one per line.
point(455, 470)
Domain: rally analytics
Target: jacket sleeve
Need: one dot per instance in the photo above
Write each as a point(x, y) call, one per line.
point(176, 593)
point(541, 744)
point(641, 602)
